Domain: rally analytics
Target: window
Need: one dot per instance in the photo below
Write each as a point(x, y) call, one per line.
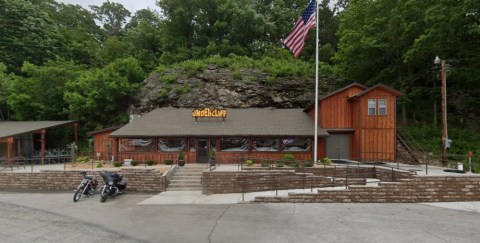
point(213, 144)
point(192, 142)
point(265, 144)
point(372, 107)
point(136, 145)
point(382, 107)
point(295, 144)
point(171, 144)
point(234, 144)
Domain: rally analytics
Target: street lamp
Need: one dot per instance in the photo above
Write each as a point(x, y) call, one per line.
point(445, 140)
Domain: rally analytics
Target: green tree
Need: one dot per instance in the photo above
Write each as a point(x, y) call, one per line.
point(80, 32)
point(5, 82)
point(144, 32)
point(27, 33)
point(99, 97)
point(39, 94)
point(113, 16)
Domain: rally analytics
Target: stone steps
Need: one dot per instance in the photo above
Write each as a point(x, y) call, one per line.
point(187, 178)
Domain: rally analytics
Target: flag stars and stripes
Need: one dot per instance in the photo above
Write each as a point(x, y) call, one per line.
point(296, 39)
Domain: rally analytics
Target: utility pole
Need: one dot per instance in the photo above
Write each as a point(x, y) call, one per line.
point(445, 141)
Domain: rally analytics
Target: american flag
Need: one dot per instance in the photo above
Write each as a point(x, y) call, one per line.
point(296, 39)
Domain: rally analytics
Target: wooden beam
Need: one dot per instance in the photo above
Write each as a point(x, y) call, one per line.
point(43, 145)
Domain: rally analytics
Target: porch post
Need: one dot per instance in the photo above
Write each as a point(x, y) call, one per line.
point(10, 151)
point(75, 133)
point(42, 152)
point(115, 149)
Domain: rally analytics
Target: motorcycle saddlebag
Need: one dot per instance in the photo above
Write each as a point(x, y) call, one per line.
point(122, 185)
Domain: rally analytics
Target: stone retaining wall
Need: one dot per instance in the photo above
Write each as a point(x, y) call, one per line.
point(344, 171)
point(415, 190)
point(138, 180)
point(218, 182)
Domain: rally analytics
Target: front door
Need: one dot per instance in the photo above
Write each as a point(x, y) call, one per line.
point(338, 146)
point(202, 150)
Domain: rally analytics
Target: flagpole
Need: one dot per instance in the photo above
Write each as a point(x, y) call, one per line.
point(315, 146)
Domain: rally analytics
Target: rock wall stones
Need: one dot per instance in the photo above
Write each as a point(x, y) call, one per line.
point(138, 180)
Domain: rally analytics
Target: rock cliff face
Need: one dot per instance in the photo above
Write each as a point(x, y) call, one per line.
point(216, 87)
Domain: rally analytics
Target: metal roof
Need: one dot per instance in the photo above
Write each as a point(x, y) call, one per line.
point(173, 122)
point(12, 128)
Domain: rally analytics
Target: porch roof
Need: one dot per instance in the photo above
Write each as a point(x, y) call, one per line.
point(12, 128)
point(173, 122)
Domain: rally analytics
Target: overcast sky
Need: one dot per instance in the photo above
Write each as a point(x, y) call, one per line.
point(131, 5)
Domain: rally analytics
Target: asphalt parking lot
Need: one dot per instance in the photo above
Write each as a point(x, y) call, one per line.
point(54, 217)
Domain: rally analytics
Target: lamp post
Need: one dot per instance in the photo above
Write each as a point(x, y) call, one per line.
point(445, 141)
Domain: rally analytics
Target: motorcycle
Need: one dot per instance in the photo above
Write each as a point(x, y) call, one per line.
point(113, 185)
point(87, 187)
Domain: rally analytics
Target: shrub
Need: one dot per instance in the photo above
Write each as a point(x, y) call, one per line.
point(180, 155)
point(289, 157)
point(168, 162)
point(279, 163)
point(83, 159)
point(308, 163)
point(99, 165)
point(134, 163)
point(326, 161)
point(249, 162)
point(117, 164)
point(149, 162)
point(266, 163)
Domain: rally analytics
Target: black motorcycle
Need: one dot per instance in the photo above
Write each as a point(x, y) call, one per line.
point(87, 187)
point(113, 185)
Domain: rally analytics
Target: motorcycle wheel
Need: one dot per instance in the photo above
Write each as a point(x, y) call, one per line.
point(78, 194)
point(103, 196)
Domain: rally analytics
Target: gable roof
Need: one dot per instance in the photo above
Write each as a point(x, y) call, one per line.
point(91, 133)
point(378, 86)
point(12, 128)
point(361, 86)
point(173, 122)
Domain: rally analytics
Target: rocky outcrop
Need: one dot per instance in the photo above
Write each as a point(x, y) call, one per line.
point(219, 87)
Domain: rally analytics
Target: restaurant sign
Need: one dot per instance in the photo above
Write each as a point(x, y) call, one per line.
point(207, 112)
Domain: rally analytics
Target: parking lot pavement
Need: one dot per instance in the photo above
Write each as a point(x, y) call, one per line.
point(53, 215)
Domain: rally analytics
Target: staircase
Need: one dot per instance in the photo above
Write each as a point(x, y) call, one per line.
point(408, 149)
point(187, 178)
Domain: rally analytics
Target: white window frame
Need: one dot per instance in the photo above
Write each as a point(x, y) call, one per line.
point(372, 109)
point(384, 107)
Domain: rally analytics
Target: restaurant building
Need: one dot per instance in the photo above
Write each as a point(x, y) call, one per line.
point(355, 122)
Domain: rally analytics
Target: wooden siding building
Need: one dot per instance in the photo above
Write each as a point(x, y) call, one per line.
point(355, 123)
point(361, 122)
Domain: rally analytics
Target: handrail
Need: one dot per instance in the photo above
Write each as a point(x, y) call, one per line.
point(307, 181)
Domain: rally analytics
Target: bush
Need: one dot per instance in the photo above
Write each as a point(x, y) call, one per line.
point(280, 163)
point(326, 161)
point(290, 160)
point(181, 155)
point(308, 163)
point(249, 162)
point(289, 157)
point(134, 163)
point(83, 159)
point(168, 162)
point(99, 165)
point(117, 164)
point(149, 162)
point(266, 163)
